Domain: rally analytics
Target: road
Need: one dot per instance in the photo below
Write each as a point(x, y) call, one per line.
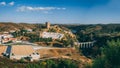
point(35, 46)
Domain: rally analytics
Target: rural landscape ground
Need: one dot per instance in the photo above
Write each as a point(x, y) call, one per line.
point(59, 33)
point(69, 54)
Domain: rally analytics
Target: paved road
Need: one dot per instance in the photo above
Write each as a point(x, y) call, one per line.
point(35, 46)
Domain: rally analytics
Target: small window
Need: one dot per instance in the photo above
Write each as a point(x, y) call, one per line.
point(33, 53)
point(37, 53)
point(12, 54)
point(2, 53)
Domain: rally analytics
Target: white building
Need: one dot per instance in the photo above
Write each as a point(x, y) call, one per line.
point(6, 36)
point(3, 36)
point(29, 30)
point(52, 35)
point(20, 51)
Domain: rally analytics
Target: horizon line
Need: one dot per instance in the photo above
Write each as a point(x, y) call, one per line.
point(59, 23)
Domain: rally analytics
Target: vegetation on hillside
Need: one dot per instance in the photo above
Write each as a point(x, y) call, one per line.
point(61, 63)
point(50, 63)
point(97, 32)
point(110, 57)
point(105, 51)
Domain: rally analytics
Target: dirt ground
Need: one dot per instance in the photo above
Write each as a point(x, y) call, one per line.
point(70, 53)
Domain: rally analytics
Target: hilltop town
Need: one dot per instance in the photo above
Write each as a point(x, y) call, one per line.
point(40, 44)
point(59, 33)
point(34, 42)
point(36, 34)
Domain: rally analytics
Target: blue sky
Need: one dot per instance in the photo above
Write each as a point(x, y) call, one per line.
point(60, 11)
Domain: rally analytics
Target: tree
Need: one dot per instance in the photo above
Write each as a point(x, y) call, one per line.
point(22, 60)
point(50, 63)
point(67, 64)
point(110, 57)
point(32, 66)
point(43, 64)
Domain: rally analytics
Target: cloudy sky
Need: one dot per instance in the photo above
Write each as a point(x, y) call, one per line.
point(60, 11)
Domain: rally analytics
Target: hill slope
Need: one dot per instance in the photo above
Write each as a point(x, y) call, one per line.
point(7, 26)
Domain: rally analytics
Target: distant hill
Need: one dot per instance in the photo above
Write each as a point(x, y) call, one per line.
point(7, 26)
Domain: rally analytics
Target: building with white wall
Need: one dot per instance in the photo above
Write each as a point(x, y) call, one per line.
point(18, 52)
point(52, 35)
point(5, 37)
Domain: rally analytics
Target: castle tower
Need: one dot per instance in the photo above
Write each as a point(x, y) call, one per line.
point(47, 25)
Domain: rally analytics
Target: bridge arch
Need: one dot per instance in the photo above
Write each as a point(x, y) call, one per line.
point(85, 44)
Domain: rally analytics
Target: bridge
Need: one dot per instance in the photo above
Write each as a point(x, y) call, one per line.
point(85, 44)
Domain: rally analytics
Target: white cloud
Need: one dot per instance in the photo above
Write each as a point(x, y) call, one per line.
point(3, 3)
point(11, 3)
point(60, 8)
point(29, 8)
